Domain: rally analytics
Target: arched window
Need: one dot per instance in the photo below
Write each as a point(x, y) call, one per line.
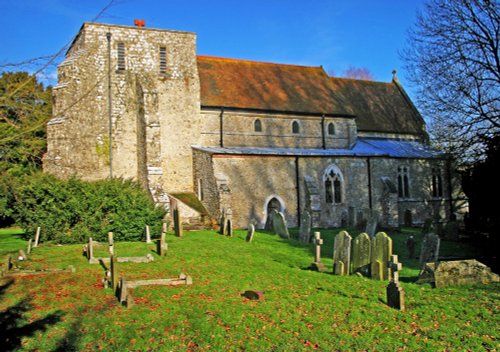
point(331, 129)
point(333, 182)
point(257, 126)
point(295, 127)
point(403, 182)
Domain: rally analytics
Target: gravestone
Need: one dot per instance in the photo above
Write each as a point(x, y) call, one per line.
point(455, 273)
point(37, 237)
point(429, 251)
point(381, 253)
point(342, 253)
point(371, 225)
point(395, 293)
point(250, 233)
point(8, 264)
point(305, 227)
point(161, 245)
point(279, 224)
point(317, 265)
point(410, 247)
point(28, 250)
point(148, 235)
point(22, 255)
point(361, 255)
point(177, 223)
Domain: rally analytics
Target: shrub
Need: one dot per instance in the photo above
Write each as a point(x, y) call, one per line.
point(71, 211)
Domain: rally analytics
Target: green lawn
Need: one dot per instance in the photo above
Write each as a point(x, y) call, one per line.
point(302, 310)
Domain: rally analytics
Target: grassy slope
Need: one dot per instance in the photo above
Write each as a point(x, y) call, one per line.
point(302, 309)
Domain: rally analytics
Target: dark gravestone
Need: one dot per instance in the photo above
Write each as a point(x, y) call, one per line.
point(177, 223)
point(430, 248)
point(395, 293)
point(410, 247)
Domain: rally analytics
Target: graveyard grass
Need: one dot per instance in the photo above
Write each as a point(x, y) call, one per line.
point(302, 309)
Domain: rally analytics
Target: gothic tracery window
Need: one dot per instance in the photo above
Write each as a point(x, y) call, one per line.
point(333, 185)
point(403, 182)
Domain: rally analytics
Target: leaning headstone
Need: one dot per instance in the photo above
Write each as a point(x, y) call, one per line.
point(37, 237)
point(381, 253)
point(371, 225)
point(429, 251)
point(395, 293)
point(177, 223)
point(305, 227)
point(456, 272)
point(250, 233)
point(361, 255)
point(161, 246)
point(317, 265)
point(148, 235)
point(279, 224)
point(342, 253)
point(28, 250)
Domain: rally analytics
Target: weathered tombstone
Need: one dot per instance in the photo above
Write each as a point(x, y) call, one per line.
point(361, 254)
point(305, 227)
point(342, 253)
point(428, 226)
point(37, 237)
point(410, 246)
point(161, 246)
point(148, 235)
point(110, 243)
point(177, 223)
point(429, 251)
point(250, 233)
point(90, 249)
point(408, 218)
point(279, 224)
point(456, 272)
point(381, 252)
point(28, 250)
point(22, 255)
point(371, 225)
point(113, 272)
point(317, 265)
point(395, 293)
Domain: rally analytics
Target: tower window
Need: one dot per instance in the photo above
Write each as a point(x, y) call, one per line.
point(121, 57)
point(331, 129)
point(403, 182)
point(295, 127)
point(257, 126)
point(437, 183)
point(163, 59)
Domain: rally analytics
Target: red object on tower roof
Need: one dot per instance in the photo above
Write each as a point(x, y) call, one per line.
point(140, 23)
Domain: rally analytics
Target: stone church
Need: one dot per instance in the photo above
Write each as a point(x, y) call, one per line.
point(217, 136)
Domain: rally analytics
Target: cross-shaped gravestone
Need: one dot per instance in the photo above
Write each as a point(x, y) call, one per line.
point(317, 265)
point(395, 293)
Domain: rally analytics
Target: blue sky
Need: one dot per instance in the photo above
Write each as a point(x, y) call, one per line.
point(336, 34)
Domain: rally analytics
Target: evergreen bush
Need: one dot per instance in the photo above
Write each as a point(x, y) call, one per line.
point(72, 211)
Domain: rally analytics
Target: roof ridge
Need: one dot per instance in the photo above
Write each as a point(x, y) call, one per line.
point(360, 80)
point(257, 62)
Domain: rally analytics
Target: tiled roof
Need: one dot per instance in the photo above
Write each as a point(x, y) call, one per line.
point(380, 107)
point(267, 86)
point(364, 147)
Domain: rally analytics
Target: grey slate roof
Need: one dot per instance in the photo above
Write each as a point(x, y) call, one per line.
point(364, 147)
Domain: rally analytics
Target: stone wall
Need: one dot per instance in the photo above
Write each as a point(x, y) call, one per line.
point(238, 130)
